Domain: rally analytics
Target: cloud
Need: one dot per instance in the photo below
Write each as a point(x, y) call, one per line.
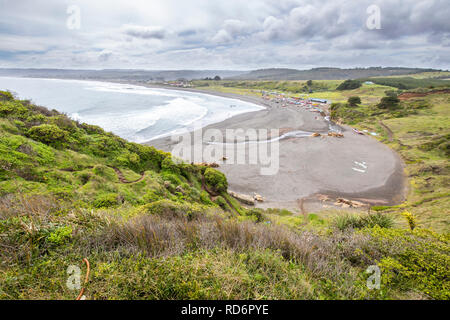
point(222, 36)
point(161, 34)
point(104, 56)
point(144, 32)
point(232, 29)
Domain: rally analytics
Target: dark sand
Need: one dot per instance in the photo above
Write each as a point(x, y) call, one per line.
point(307, 166)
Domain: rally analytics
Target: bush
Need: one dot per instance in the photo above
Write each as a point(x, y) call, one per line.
point(48, 134)
point(354, 101)
point(106, 200)
point(60, 235)
point(349, 85)
point(171, 209)
point(223, 204)
point(12, 107)
point(6, 95)
point(63, 122)
point(410, 218)
point(389, 103)
point(168, 165)
point(257, 214)
point(349, 221)
point(216, 179)
point(415, 260)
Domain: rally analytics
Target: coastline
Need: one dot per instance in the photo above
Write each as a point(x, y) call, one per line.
point(304, 174)
point(308, 167)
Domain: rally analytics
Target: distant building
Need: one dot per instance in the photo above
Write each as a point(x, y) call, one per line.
point(318, 100)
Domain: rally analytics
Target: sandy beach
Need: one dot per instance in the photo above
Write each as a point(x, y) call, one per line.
point(355, 167)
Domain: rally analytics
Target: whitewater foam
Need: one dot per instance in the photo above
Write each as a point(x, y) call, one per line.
point(133, 112)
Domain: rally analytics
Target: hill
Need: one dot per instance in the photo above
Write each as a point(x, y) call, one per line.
point(325, 73)
point(155, 228)
point(118, 74)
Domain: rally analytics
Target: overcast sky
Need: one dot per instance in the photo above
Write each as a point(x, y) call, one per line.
point(223, 34)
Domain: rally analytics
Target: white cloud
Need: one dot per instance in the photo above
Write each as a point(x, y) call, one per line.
point(144, 32)
point(224, 34)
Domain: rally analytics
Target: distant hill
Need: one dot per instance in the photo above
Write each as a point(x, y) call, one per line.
point(325, 73)
point(168, 75)
point(119, 74)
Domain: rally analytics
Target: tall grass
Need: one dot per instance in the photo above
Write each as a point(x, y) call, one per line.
point(352, 221)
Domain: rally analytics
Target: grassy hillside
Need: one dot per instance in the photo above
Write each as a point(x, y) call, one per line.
point(419, 130)
point(155, 228)
point(326, 73)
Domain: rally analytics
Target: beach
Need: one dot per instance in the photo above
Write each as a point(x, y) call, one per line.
point(311, 169)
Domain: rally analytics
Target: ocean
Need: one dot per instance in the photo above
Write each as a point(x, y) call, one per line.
point(135, 113)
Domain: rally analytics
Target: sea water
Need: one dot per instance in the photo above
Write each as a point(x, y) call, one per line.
point(135, 113)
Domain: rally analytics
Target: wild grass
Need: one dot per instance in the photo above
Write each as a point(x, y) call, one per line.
point(353, 221)
point(261, 259)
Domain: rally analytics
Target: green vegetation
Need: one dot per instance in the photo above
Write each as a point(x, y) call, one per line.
point(389, 102)
point(346, 221)
point(407, 83)
point(354, 101)
point(216, 179)
point(155, 228)
point(418, 129)
point(349, 85)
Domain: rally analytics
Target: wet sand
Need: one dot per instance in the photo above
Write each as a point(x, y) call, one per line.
point(355, 167)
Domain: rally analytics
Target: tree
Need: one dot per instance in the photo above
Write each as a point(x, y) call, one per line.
point(354, 101)
point(217, 78)
point(388, 103)
point(349, 85)
point(309, 83)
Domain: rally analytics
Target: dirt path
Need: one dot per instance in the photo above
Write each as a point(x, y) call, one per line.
point(122, 178)
point(213, 195)
point(388, 130)
point(410, 95)
point(302, 210)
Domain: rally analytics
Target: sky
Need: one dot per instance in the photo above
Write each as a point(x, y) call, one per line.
point(218, 34)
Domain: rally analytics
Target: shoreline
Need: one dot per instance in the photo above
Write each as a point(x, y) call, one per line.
point(390, 190)
point(309, 167)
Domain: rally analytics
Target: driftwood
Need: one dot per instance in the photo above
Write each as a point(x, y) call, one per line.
point(242, 198)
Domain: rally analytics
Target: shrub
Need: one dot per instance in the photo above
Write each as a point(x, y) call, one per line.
point(12, 107)
point(6, 95)
point(168, 165)
point(106, 200)
point(172, 178)
point(104, 146)
point(416, 260)
point(410, 218)
point(48, 134)
point(171, 209)
point(223, 203)
point(60, 235)
point(350, 221)
point(216, 179)
point(389, 103)
point(349, 85)
point(354, 101)
point(63, 122)
point(390, 93)
point(257, 214)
